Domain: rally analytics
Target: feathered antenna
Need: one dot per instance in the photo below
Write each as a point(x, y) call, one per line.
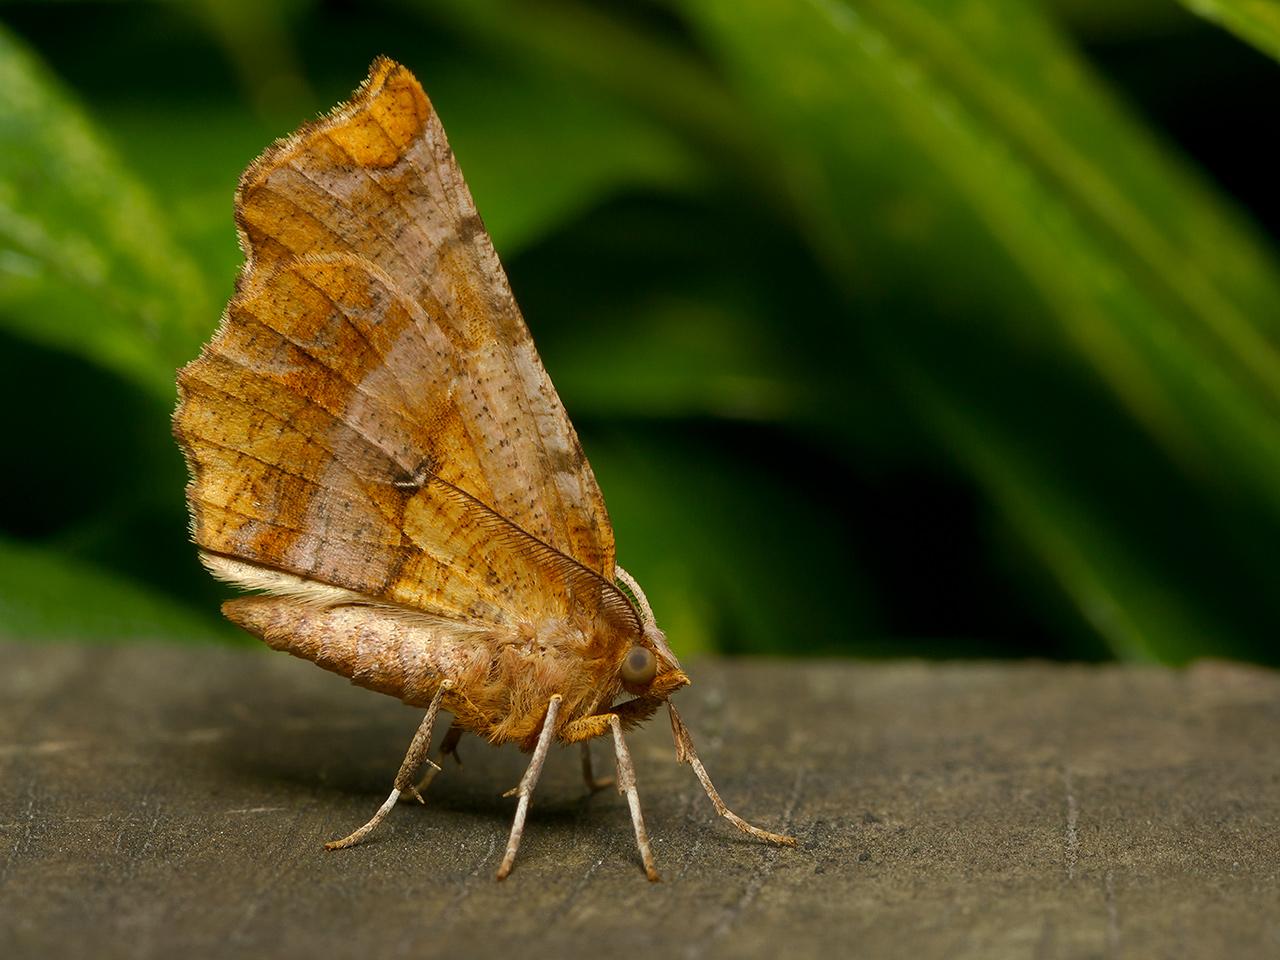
point(635, 593)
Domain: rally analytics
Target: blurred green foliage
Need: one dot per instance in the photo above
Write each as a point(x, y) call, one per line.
point(890, 326)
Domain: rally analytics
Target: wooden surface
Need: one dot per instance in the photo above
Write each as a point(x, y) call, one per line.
point(168, 802)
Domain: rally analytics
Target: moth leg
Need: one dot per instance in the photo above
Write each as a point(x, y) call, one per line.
point(527, 783)
point(447, 746)
point(686, 754)
point(597, 725)
point(588, 775)
point(627, 787)
point(416, 754)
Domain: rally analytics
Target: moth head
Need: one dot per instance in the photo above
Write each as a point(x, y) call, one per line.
point(649, 668)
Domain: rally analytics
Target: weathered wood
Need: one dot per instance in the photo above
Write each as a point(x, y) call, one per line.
point(162, 802)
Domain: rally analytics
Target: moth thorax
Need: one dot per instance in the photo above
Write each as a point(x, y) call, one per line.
point(558, 637)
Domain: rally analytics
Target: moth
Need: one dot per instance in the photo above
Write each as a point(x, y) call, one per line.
point(378, 455)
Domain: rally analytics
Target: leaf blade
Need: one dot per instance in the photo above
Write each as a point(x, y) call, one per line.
point(89, 265)
point(1256, 22)
point(1171, 328)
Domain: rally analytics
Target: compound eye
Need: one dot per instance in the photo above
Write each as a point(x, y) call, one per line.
point(640, 666)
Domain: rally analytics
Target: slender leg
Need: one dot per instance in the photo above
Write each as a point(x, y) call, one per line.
point(588, 775)
point(416, 754)
point(448, 746)
point(686, 754)
point(627, 787)
point(527, 783)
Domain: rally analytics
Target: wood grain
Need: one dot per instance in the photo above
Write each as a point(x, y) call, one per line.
point(161, 802)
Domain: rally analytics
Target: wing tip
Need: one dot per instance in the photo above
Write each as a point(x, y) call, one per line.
point(384, 72)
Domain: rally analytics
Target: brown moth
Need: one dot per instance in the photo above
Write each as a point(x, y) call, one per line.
point(378, 454)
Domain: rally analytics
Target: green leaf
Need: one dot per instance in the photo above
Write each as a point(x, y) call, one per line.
point(1135, 271)
point(45, 595)
point(1130, 577)
point(538, 150)
point(637, 70)
point(1256, 22)
point(681, 356)
point(964, 133)
point(1101, 19)
point(87, 262)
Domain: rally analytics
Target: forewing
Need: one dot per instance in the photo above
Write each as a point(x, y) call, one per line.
point(377, 180)
point(371, 413)
point(310, 445)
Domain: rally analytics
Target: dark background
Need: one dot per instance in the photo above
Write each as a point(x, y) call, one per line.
point(890, 328)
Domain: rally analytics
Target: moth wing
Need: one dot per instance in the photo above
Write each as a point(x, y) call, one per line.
point(311, 423)
point(372, 409)
point(378, 179)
